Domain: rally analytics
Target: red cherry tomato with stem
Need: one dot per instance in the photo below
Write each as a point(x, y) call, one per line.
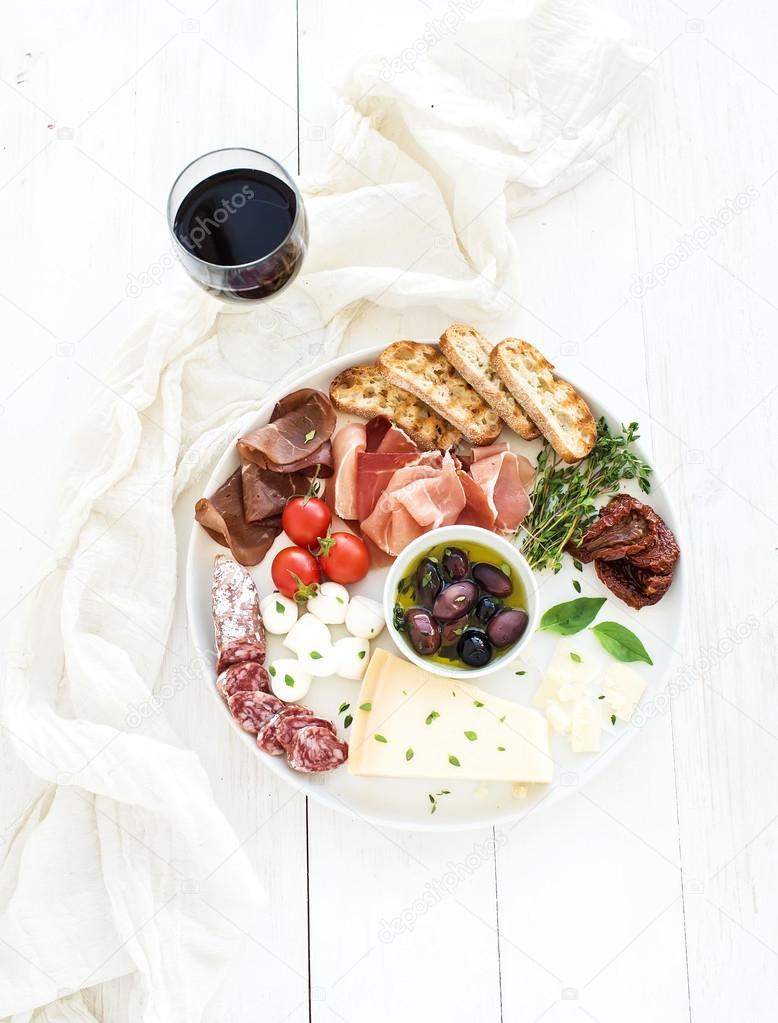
point(295, 573)
point(344, 558)
point(305, 519)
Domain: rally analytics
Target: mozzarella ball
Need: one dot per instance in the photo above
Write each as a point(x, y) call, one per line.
point(319, 662)
point(288, 680)
point(351, 657)
point(307, 633)
point(279, 614)
point(330, 603)
point(365, 618)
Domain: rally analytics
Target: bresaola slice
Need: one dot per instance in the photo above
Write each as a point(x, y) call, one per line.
point(223, 517)
point(266, 492)
point(296, 437)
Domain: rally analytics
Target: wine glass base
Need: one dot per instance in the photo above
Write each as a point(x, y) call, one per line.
point(274, 340)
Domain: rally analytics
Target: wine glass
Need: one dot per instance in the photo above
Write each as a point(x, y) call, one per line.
point(238, 225)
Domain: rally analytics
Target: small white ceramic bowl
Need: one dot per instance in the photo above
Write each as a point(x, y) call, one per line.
point(455, 535)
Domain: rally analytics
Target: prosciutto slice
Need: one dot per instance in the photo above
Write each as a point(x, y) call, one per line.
point(222, 516)
point(478, 511)
point(347, 444)
point(418, 498)
point(503, 477)
point(296, 437)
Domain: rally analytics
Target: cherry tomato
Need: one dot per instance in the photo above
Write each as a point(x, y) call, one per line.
point(345, 558)
point(295, 572)
point(305, 519)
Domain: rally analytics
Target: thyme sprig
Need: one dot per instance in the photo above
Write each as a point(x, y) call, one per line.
point(564, 495)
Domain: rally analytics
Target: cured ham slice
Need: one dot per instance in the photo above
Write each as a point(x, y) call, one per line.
point(266, 492)
point(417, 498)
point(374, 473)
point(503, 478)
point(222, 516)
point(383, 435)
point(347, 444)
point(477, 511)
point(237, 622)
point(296, 437)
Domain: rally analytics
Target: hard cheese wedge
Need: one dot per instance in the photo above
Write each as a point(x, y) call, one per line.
point(417, 725)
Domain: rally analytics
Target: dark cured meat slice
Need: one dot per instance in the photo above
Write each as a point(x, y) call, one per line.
point(253, 710)
point(637, 587)
point(281, 443)
point(316, 748)
point(237, 623)
point(265, 492)
point(321, 459)
point(222, 516)
point(624, 528)
point(244, 677)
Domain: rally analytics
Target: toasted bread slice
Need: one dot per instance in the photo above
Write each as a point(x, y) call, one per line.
point(468, 352)
point(423, 370)
point(365, 392)
point(562, 415)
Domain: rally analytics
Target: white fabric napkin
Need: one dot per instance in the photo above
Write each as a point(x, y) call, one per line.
point(112, 864)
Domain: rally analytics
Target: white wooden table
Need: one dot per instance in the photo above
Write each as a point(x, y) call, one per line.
point(650, 893)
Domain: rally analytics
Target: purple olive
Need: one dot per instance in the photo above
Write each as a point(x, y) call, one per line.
point(428, 583)
point(474, 648)
point(492, 579)
point(455, 563)
point(455, 601)
point(423, 631)
point(452, 631)
point(507, 626)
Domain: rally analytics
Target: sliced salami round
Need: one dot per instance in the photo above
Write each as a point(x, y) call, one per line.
point(289, 726)
point(246, 677)
point(268, 735)
point(316, 748)
point(253, 709)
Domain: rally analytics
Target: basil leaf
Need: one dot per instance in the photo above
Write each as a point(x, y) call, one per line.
point(280, 608)
point(620, 642)
point(572, 616)
point(347, 720)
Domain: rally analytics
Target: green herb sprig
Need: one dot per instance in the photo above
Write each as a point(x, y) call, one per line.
point(564, 496)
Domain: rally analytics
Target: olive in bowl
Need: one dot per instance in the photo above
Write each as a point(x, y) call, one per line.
point(461, 602)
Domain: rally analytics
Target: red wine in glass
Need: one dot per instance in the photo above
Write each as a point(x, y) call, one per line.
point(238, 224)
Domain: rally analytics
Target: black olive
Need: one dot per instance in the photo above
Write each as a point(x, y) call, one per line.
point(455, 601)
point(428, 583)
point(423, 631)
point(486, 608)
point(452, 631)
point(474, 648)
point(507, 626)
point(492, 579)
point(455, 563)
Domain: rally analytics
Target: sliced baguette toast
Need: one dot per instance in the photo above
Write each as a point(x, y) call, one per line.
point(365, 392)
point(562, 415)
point(468, 352)
point(423, 370)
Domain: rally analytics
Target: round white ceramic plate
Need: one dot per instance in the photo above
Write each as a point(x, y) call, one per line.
point(405, 803)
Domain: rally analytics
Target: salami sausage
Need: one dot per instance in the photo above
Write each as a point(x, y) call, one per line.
point(252, 710)
point(268, 736)
point(237, 622)
point(244, 677)
point(316, 748)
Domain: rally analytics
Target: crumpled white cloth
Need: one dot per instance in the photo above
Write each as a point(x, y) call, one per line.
point(112, 864)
